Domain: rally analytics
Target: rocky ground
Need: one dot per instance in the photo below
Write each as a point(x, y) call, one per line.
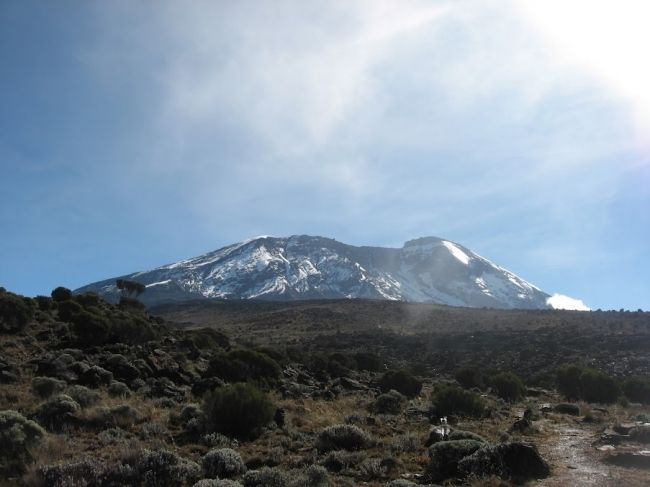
point(133, 413)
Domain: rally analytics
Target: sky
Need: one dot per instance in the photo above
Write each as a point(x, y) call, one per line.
point(135, 134)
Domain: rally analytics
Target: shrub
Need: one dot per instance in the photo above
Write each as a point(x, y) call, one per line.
point(68, 309)
point(208, 338)
point(54, 414)
point(401, 381)
point(18, 436)
point(222, 463)
point(508, 386)
point(444, 457)
point(568, 381)
point(15, 313)
point(389, 403)
point(217, 483)
point(469, 377)
point(343, 436)
point(516, 461)
point(368, 361)
point(119, 389)
point(238, 410)
point(159, 468)
point(466, 435)
point(85, 472)
point(61, 294)
point(90, 328)
point(44, 303)
point(567, 408)
point(44, 387)
point(244, 366)
point(637, 389)
point(448, 400)
point(265, 477)
point(599, 387)
point(88, 300)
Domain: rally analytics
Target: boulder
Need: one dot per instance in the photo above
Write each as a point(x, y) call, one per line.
point(516, 461)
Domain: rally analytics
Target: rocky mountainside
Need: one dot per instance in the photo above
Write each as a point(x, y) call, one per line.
point(427, 269)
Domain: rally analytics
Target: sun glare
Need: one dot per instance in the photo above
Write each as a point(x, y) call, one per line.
point(609, 38)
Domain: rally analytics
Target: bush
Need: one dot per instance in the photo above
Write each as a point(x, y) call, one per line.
point(508, 386)
point(444, 457)
point(516, 461)
point(18, 436)
point(238, 410)
point(55, 413)
point(368, 361)
point(15, 313)
point(85, 472)
point(90, 328)
point(466, 435)
point(222, 463)
point(265, 477)
point(68, 309)
point(217, 483)
point(343, 436)
point(245, 366)
point(452, 400)
point(599, 387)
point(44, 387)
point(61, 294)
point(389, 403)
point(401, 381)
point(44, 303)
point(469, 377)
point(159, 468)
point(567, 408)
point(568, 381)
point(637, 389)
point(576, 382)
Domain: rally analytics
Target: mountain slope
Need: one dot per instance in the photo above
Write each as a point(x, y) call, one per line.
point(427, 269)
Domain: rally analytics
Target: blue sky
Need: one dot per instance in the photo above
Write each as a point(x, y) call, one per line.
point(133, 136)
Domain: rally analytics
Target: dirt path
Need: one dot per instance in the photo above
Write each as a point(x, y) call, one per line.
point(574, 462)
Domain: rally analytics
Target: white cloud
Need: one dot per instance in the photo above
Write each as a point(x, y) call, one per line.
point(559, 301)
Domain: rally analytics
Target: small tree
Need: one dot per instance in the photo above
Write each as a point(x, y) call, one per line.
point(237, 410)
point(400, 381)
point(508, 386)
point(129, 288)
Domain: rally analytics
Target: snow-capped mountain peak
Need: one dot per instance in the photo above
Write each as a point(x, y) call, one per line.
point(428, 269)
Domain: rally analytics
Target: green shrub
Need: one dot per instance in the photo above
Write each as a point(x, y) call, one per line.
point(453, 400)
point(90, 328)
point(237, 410)
point(44, 303)
point(44, 387)
point(637, 389)
point(68, 309)
point(82, 395)
point(18, 436)
point(567, 408)
point(599, 387)
point(54, 413)
point(15, 313)
point(390, 402)
point(265, 477)
point(245, 366)
point(465, 435)
point(444, 457)
point(508, 386)
point(343, 437)
point(577, 382)
point(400, 381)
point(368, 361)
point(470, 377)
point(61, 294)
point(88, 300)
point(208, 338)
point(222, 463)
point(568, 381)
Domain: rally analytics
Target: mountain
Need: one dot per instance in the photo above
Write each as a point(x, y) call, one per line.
point(428, 269)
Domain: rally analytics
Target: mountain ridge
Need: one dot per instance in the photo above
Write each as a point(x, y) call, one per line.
point(426, 269)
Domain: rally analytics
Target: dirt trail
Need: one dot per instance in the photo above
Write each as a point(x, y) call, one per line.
point(574, 462)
